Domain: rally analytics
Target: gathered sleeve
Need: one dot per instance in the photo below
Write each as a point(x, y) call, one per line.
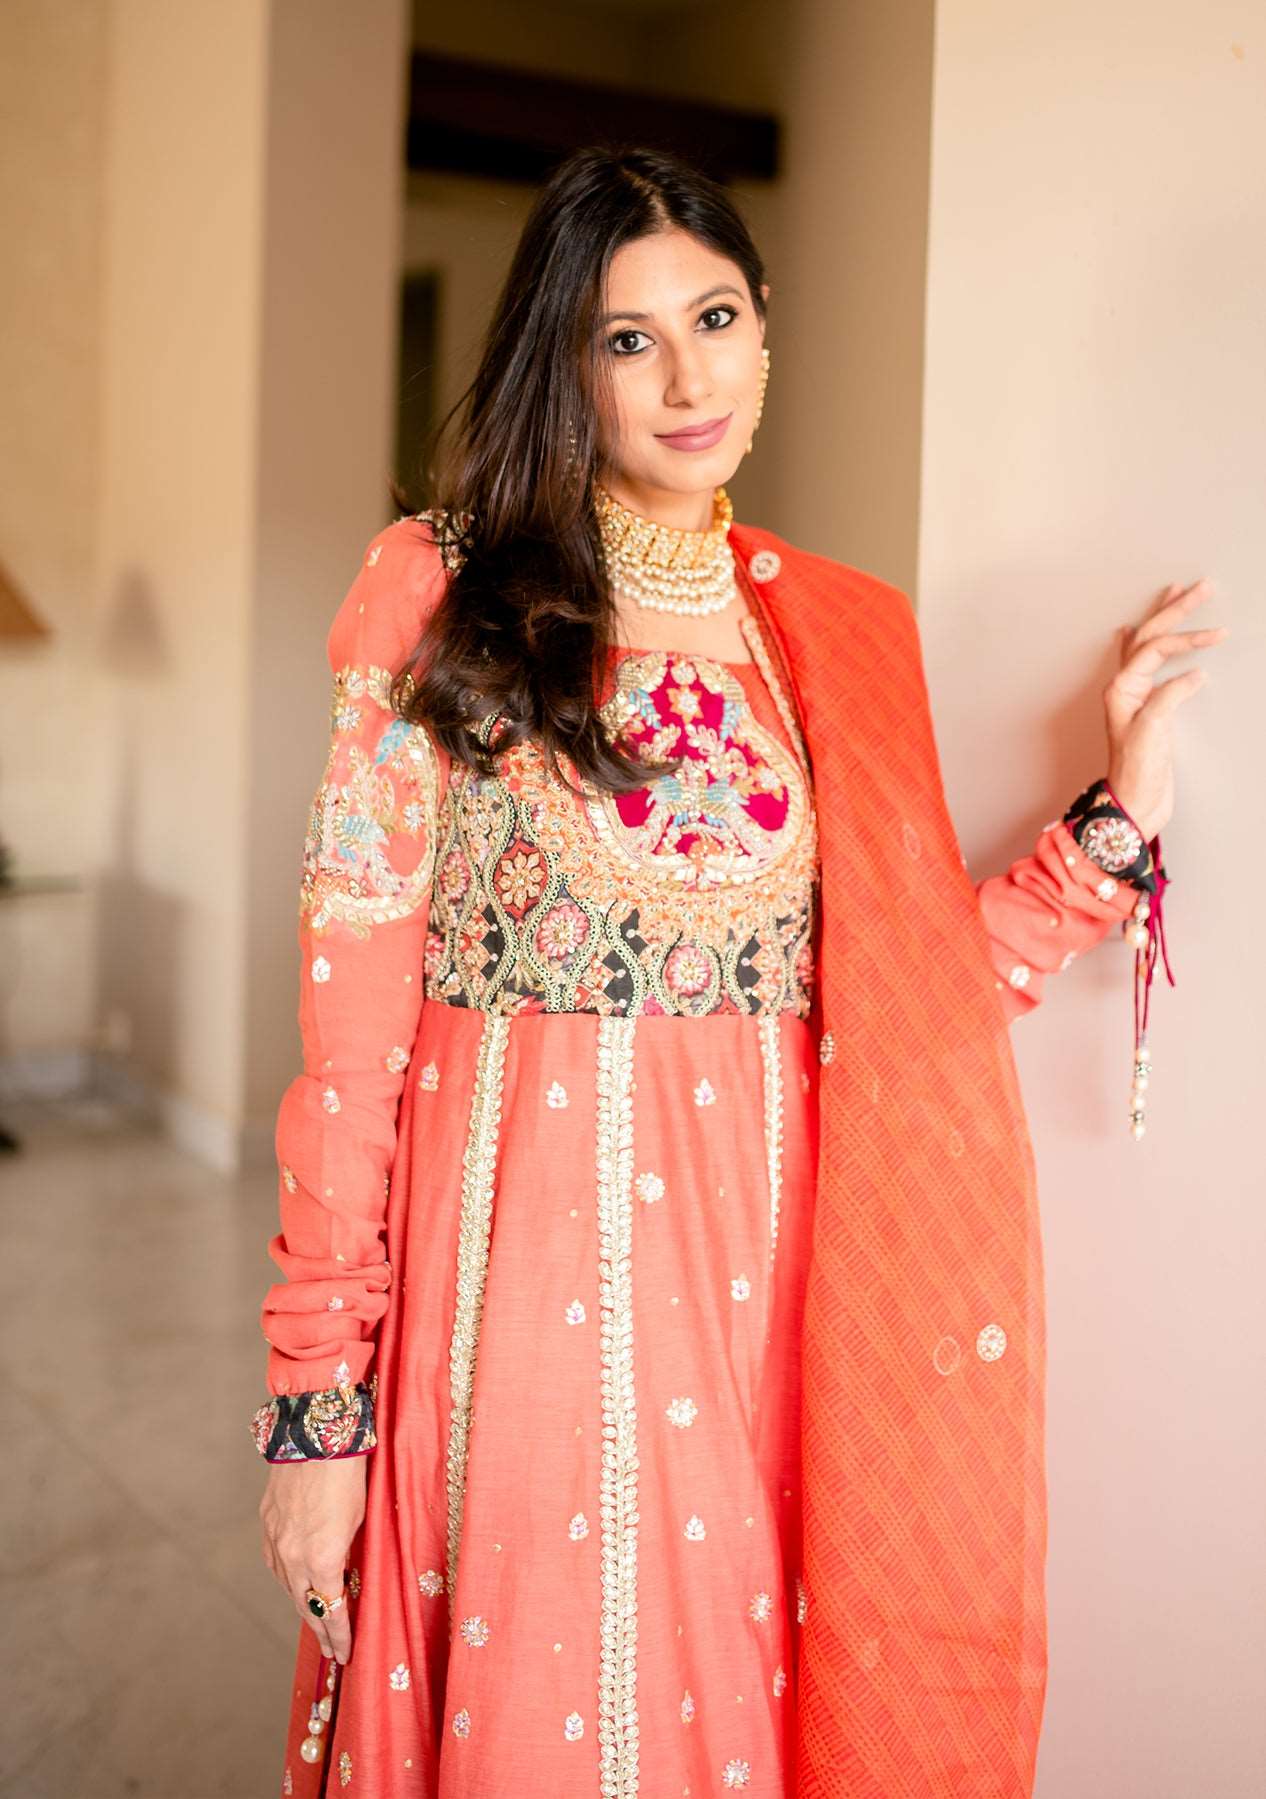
point(1048, 908)
point(364, 901)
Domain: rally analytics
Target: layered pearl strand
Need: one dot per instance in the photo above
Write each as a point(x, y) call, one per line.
point(665, 568)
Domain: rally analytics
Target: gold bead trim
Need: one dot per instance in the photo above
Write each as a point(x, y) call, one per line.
point(479, 1162)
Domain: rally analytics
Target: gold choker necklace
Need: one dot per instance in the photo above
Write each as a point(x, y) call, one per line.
point(663, 567)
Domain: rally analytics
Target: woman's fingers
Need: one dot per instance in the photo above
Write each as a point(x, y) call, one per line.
point(1175, 604)
point(1149, 653)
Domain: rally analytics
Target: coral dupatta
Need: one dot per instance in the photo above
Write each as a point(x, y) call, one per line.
point(923, 1656)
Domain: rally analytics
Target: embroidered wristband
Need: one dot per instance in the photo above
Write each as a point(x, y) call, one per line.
point(1104, 831)
point(305, 1427)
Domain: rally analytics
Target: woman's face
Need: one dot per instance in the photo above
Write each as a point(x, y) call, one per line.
point(682, 344)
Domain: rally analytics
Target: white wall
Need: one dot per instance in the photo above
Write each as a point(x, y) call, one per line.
point(1094, 426)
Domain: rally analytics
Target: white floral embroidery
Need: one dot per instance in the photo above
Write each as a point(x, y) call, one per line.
point(397, 1060)
point(573, 1727)
point(578, 1527)
point(780, 1681)
point(334, 1303)
point(288, 1176)
point(331, 1101)
point(342, 1374)
point(575, 1313)
point(761, 1607)
point(429, 1079)
point(475, 1631)
point(991, 1342)
point(345, 1769)
point(736, 1773)
point(681, 1412)
point(649, 1187)
point(740, 1287)
point(1019, 976)
point(705, 1093)
point(687, 1707)
point(461, 1723)
point(399, 1678)
point(431, 1583)
point(694, 1530)
point(764, 565)
point(556, 1094)
point(320, 969)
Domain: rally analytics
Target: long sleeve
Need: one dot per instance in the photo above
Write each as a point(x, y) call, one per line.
point(363, 908)
point(1049, 907)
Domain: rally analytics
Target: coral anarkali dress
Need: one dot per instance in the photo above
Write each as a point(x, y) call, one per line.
point(546, 1197)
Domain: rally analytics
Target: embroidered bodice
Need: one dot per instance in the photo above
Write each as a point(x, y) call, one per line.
point(692, 895)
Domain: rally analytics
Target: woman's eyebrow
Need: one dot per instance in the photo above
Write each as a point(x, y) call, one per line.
point(699, 299)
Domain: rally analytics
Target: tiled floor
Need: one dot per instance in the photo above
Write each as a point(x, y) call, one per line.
point(148, 1650)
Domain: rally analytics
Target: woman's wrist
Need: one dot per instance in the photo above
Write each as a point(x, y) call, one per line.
point(1110, 837)
point(317, 1426)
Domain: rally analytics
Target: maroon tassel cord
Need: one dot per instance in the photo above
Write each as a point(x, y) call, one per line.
point(1146, 931)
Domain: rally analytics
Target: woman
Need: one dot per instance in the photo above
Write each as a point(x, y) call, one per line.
point(666, 1257)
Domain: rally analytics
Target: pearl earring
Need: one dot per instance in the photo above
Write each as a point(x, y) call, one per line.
point(760, 394)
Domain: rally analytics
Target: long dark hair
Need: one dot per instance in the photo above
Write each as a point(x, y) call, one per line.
point(526, 624)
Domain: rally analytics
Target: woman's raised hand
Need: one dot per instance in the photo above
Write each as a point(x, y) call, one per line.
point(1139, 714)
point(310, 1512)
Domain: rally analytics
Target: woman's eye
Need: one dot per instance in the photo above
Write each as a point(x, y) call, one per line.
point(619, 341)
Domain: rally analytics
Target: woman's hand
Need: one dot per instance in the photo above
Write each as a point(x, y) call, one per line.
point(310, 1512)
point(1140, 764)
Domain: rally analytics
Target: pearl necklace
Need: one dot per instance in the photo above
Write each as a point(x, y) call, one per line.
point(665, 568)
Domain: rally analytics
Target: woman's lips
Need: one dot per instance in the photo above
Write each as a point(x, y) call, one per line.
point(701, 438)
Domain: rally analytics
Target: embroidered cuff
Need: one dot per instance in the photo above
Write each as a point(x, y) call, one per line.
point(305, 1427)
point(1104, 831)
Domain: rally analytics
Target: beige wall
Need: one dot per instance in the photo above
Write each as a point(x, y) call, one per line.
point(1093, 428)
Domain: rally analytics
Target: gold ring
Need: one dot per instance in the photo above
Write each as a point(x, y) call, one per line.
point(320, 1605)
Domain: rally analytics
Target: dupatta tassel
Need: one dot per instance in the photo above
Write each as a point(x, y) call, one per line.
point(1109, 836)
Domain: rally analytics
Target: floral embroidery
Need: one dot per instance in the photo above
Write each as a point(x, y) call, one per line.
point(475, 1631)
point(396, 1060)
point(287, 1782)
point(429, 1079)
point(320, 969)
point(578, 1527)
point(573, 1727)
point(764, 565)
point(687, 1706)
point(331, 1101)
point(299, 1427)
point(556, 1094)
point(691, 895)
point(288, 1177)
point(461, 1724)
point(345, 1769)
point(740, 1287)
point(575, 1313)
point(649, 1187)
point(991, 1342)
point(353, 1582)
point(694, 1530)
point(681, 1412)
point(705, 1093)
point(371, 830)
point(761, 1607)
point(780, 1681)
point(736, 1773)
point(398, 1678)
point(431, 1583)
